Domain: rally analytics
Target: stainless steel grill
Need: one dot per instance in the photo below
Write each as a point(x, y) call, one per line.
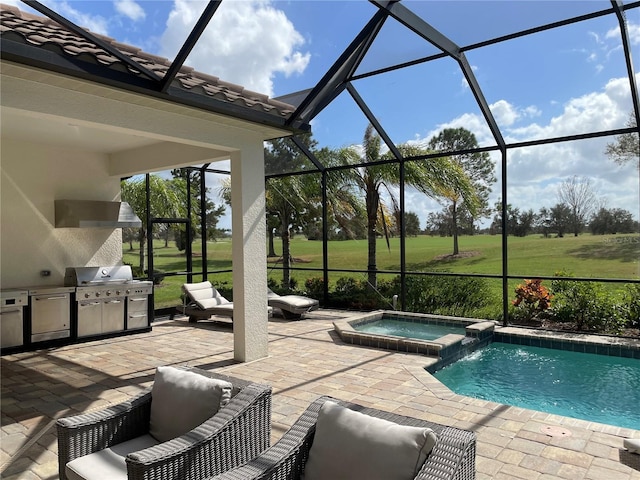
point(108, 299)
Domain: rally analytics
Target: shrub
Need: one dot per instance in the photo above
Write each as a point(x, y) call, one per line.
point(631, 306)
point(225, 289)
point(348, 285)
point(351, 292)
point(314, 287)
point(532, 298)
point(587, 304)
point(158, 276)
point(447, 295)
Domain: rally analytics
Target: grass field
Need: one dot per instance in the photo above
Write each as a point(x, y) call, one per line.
point(608, 256)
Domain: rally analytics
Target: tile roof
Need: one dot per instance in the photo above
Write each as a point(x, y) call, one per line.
point(45, 33)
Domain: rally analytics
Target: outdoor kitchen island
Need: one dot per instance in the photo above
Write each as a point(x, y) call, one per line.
point(95, 302)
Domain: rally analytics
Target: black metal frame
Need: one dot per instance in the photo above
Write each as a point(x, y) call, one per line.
point(339, 78)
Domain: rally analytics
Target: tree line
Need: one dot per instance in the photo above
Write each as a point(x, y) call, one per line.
point(578, 210)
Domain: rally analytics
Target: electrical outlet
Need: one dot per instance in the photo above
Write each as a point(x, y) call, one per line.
point(45, 273)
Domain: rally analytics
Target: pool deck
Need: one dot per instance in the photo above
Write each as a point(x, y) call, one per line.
point(306, 359)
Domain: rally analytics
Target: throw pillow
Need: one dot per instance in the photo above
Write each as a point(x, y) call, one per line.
point(352, 445)
point(181, 400)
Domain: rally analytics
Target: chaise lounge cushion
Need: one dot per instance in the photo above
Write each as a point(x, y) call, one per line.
point(107, 464)
point(292, 306)
point(182, 400)
point(350, 444)
point(205, 295)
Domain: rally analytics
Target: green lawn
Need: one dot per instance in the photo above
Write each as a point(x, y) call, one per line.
point(608, 256)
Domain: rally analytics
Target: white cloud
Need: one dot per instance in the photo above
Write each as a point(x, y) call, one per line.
point(632, 28)
point(536, 171)
point(95, 23)
point(505, 113)
point(130, 9)
point(247, 42)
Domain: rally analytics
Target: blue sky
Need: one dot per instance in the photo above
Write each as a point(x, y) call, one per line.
point(560, 82)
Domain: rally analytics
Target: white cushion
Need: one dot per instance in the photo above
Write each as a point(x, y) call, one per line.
point(181, 400)
point(203, 294)
point(107, 464)
point(294, 301)
point(632, 444)
point(352, 445)
point(215, 302)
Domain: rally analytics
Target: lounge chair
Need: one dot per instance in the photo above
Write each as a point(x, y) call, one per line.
point(332, 440)
point(204, 300)
point(190, 424)
point(293, 307)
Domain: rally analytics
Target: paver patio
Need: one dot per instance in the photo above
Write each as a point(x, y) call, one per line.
point(306, 359)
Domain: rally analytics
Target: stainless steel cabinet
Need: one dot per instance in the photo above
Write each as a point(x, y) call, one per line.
point(113, 315)
point(89, 318)
point(137, 312)
point(11, 331)
point(100, 316)
point(50, 316)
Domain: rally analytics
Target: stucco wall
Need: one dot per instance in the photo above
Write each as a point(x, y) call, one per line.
point(32, 177)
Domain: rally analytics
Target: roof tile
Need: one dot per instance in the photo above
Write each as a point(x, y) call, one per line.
point(17, 25)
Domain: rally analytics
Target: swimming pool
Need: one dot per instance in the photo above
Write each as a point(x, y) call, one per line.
point(402, 328)
point(596, 388)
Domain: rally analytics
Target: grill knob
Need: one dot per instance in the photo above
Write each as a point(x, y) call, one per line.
point(128, 291)
point(108, 292)
point(97, 294)
point(86, 295)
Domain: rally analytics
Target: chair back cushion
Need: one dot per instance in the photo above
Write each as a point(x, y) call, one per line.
point(181, 400)
point(350, 444)
point(204, 294)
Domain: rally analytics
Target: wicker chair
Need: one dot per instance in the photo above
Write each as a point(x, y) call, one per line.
point(237, 433)
point(453, 456)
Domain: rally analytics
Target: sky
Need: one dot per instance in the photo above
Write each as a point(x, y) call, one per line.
point(565, 81)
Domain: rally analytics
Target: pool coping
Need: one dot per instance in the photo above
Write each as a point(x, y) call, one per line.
point(575, 342)
point(438, 348)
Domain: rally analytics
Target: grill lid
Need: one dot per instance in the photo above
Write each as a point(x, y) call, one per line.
point(86, 276)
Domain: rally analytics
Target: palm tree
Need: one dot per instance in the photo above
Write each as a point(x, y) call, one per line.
point(432, 177)
point(164, 201)
point(285, 200)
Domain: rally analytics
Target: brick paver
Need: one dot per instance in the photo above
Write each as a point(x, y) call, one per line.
point(306, 359)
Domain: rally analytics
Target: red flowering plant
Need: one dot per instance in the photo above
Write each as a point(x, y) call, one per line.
point(531, 299)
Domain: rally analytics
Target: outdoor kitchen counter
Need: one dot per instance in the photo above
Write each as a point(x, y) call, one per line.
point(89, 309)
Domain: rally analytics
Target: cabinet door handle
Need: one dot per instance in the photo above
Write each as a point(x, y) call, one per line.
point(6, 312)
point(63, 297)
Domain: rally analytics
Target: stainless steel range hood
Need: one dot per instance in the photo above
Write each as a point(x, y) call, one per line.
point(91, 213)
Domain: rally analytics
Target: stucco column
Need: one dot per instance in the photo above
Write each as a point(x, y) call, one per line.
point(250, 317)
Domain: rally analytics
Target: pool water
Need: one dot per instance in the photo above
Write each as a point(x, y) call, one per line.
point(596, 388)
point(403, 328)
